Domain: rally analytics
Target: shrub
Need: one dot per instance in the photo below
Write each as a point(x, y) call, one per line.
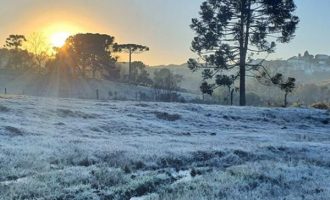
point(127, 169)
point(105, 177)
point(320, 105)
point(193, 172)
point(167, 116)
point(297, 105)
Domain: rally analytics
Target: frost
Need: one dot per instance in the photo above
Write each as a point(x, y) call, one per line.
point(84, 149)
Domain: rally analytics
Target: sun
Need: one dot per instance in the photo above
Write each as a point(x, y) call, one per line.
point(58, 39)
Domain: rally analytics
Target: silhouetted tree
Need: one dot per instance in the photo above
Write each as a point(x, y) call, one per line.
point(91, 51)
point(229, 31)
point(15, 41)
point(18, 58)
point(130, 49)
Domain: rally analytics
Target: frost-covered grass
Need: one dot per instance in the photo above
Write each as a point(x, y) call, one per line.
point(83, 149)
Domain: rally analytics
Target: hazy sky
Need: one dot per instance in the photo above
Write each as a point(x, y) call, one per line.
point(163, 25)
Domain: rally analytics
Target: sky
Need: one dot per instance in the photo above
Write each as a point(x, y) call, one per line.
point(163, 25)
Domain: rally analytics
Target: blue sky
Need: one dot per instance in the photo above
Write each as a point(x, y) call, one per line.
point(163, 25)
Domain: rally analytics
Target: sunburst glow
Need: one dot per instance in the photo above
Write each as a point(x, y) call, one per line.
point(58, 39)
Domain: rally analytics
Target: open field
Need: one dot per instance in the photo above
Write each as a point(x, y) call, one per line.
point(83, 149)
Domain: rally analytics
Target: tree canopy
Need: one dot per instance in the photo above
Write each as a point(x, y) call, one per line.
point(133, 48)
point(15, 41)
point(90, 51)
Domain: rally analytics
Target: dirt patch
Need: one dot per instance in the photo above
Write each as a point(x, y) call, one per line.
point(12, 131)
point(60, 124)
point(142, 105)
point(168, 117)
point(78, 114)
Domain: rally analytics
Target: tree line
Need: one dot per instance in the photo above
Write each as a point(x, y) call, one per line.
point(86, 56)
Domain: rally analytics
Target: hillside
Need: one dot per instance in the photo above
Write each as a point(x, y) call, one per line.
point(305, 72)
point(64, 148)
point(16, 83)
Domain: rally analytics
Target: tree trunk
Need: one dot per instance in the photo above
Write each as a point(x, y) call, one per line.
point(232, 97)
point(244, 43)
point(242, 100)
point(229, 96)
point(285, 100)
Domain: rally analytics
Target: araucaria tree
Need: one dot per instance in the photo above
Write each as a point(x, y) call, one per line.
point(229, 32)
point(17, 56)
point(130, 49)
point(15, 41)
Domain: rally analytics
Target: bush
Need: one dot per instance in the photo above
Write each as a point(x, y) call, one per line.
point(167, 116)
point(320, 105)
point(297, 105)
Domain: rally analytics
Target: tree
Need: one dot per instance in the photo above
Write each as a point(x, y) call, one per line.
point(140, 76)
point(37, 44)
point(227, 81)
point(130, 49)
point(91, 52)
point(287, 85)
point(229, 32)
point(15, 41)
point(18, 57)
point(166, 82)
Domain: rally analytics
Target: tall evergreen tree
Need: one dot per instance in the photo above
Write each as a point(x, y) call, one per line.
point(229, 32)
point(130, 49)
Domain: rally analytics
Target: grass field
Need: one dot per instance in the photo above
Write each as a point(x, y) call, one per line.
point(83, 149)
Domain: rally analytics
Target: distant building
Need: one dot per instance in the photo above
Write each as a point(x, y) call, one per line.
point(322, 58)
